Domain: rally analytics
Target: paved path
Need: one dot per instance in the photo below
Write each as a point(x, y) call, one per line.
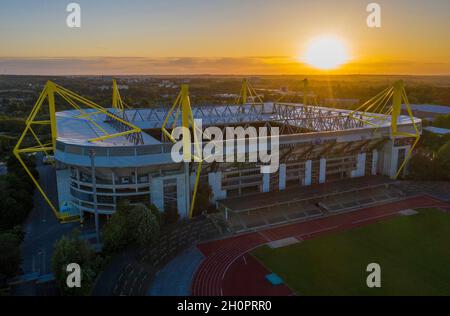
point(176, 277)
point(211, 277)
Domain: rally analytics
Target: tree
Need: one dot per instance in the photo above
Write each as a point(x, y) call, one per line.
point(443, 159)
point(424, 165)
point(11, 212)
point(442, 121)
point(11, 125)
point(6, 143)
point(74, 250)
point(16, 168)
point(10, 258)
point(16, 199)
point(131, 224)
point(115, 234)
point(432, 141)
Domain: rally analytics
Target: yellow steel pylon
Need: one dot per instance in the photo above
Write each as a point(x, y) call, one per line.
point(247, 91)
point(182, 105)
point(380, 104)
point(308, 96)
point(48, 93)
point(117, 102)
point(398, 98)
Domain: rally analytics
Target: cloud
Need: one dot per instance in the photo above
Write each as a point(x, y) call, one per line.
point(199, 65)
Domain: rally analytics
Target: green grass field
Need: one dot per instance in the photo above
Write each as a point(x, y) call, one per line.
point(413, 251)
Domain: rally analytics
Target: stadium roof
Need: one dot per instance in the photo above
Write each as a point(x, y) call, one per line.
point(77, 129)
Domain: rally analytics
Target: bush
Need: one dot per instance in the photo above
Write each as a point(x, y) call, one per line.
point(74, 250)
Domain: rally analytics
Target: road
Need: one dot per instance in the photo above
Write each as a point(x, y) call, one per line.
point(41, 228)
point(42, 231)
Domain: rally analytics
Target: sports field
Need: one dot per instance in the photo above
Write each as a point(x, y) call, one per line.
point(413, 252)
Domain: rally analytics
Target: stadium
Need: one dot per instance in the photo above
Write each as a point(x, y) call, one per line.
point(103, 156)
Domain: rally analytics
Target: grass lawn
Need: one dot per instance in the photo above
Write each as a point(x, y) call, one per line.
point(413, 252)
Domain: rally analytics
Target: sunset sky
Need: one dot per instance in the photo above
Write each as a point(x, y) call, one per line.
point(220, 36)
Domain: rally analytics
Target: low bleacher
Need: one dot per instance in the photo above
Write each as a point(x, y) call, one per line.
point(364, 198)
point(304, 203)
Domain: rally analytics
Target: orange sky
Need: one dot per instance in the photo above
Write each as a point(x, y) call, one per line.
point(220, 37)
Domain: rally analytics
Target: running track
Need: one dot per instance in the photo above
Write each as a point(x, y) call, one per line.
point(210, 277)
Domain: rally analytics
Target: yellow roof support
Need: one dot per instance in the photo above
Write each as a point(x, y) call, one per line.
point(399, 97)
point(248, 92)
point(380, 104)
point(308, 97)
point(182, 105)
point(50, 90)
point(117, 102)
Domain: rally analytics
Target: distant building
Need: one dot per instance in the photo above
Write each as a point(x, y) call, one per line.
point(437, 130)
point(227, 95)
point(427, 111)
point(167, 84)
point(119, 86)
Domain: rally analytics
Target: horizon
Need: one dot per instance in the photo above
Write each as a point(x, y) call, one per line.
point(40, 67)
point(224, 75)
point(178, 38)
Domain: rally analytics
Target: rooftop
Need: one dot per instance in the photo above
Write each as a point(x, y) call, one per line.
point(77, 129)
point(431, 108)
point(437, 130)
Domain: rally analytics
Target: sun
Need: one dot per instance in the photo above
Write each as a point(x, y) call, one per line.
point(326, 52)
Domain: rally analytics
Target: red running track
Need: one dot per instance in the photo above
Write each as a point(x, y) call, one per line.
point(220, 274)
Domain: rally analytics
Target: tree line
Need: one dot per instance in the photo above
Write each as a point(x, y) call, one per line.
point(16, 196)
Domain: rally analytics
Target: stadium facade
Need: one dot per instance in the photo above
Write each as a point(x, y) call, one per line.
point(316, 145)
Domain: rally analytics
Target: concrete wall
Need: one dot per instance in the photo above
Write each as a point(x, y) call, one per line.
point(308, 173)
point(322, 170)
point(360, 166)
point(157, 193)
point(183, 197)
point(389, 156)
point(63, 185)
point(374, 162)
point(282, 177)
point(266, 182)
point(215, 182)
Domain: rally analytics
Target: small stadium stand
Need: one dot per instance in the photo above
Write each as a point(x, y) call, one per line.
point(260, 210)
